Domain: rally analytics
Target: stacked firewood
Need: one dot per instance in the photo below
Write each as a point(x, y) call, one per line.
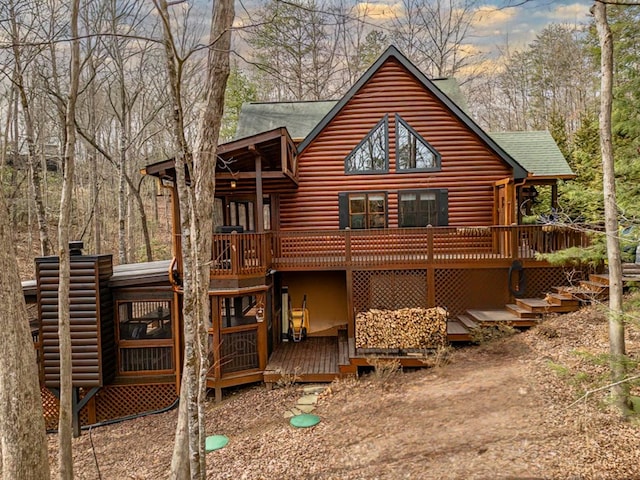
point(404, 329)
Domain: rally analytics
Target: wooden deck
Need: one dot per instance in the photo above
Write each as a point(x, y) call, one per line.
point(315, 359)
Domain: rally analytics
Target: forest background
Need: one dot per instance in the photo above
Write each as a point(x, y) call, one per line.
point(285, 51)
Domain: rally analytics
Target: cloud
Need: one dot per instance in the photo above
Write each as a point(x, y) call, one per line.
point(575, 12)
point(378, 11)
point(489, 17)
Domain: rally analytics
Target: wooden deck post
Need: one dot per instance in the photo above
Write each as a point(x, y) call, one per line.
point(259, 200)
point(347, 247)
point(515, 240)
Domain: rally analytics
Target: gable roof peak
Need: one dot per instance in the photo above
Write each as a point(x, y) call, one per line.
point(392, 52)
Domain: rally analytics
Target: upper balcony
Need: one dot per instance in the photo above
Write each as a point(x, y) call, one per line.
point(253, 254)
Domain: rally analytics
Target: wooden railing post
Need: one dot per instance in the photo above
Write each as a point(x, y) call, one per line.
point(430, 246)
point(347, 247)
point(514, 231)
point(235, 253)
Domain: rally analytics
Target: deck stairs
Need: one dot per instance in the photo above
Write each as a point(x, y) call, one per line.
point(527, 312)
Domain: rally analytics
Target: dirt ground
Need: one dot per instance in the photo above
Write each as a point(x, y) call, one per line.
point(503, 409)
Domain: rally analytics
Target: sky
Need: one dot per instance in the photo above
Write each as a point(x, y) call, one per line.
point(518, 26)
point(497, 24)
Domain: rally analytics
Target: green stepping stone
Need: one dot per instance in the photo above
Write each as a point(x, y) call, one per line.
point(305, 420)
point(215, 442)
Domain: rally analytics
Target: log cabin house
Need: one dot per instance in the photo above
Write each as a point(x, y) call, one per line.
point(390, 197)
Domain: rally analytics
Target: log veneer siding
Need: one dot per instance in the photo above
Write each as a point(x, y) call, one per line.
point(469, 167)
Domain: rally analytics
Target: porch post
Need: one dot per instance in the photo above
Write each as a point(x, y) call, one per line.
point(554, 196)
point(259, 199)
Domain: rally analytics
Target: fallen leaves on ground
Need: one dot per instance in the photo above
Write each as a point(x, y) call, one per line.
point(498, 410)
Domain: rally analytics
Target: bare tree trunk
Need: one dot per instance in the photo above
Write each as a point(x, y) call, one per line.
point(93, 161)
point(617, 348)
point(122, 196)
point(34, 165)
point(22, 432)
point(196, 212)
point(64, 331)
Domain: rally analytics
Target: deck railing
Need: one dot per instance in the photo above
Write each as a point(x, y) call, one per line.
point(241, 254)
point(253, 254)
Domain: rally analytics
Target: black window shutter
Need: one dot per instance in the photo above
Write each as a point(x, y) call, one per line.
point(343, 208)
point(443, 207)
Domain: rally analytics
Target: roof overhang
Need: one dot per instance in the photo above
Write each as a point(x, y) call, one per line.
point(268, 156)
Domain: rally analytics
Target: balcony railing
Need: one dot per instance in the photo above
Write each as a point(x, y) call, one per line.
point(246, 254)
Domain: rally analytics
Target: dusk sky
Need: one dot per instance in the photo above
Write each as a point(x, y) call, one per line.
point(495, 25)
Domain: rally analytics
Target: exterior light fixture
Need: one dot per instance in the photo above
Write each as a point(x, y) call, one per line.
point(233, 184)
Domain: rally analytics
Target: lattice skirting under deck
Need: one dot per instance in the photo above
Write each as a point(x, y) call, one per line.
point(113, 402)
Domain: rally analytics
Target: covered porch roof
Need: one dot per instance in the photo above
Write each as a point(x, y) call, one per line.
point(266, 161)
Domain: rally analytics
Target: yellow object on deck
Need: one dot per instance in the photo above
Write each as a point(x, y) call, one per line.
point(298, 324)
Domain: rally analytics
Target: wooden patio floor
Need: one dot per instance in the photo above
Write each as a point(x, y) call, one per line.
point(315, 359)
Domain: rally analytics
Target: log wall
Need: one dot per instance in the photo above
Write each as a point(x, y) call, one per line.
point(91, 312)
point(469, 168)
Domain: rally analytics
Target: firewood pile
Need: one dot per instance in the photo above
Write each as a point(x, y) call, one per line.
point(404, 329)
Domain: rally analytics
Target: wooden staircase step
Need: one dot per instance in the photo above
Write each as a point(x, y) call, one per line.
point(457, 332)
point(540, 305)
point(559, 299)
point(488, 318)
point(467, 322)
point(631, 269)
point(594, 287)
point(581, 294)
point(521, 312)
point(564, 291)
point(599, 278)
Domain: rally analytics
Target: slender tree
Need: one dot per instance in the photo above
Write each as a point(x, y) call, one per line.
point(21, 57)
point(617, 348)
point(196, 217)
point(65, 457)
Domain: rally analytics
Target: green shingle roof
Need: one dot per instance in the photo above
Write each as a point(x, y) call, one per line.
point(529, 153)
point(301, 117)
point(298, 117)
point(536, 151)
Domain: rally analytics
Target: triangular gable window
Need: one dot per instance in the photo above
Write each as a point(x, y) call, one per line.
point(372, 154)
point(412, 151)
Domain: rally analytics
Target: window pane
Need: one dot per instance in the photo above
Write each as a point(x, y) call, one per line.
point(371, 154)
point(413, 151)
point(250, 213)
point(376, 220)
point(424, 157)
point(266, 214)
point(357, 203)
point(428, 214)
point(242, 216)
point(218, 212)
point(357, 221)
point(404, 159)
point(417, 209)
point(376, 203)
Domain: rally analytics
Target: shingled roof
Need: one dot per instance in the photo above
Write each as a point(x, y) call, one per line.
point(532, 153)
point(536, 151)
point(300, 118)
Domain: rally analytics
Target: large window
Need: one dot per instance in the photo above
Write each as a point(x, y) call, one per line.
point(363, 210)
point(372, 154)
point(412, 151)
point(419, 208)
